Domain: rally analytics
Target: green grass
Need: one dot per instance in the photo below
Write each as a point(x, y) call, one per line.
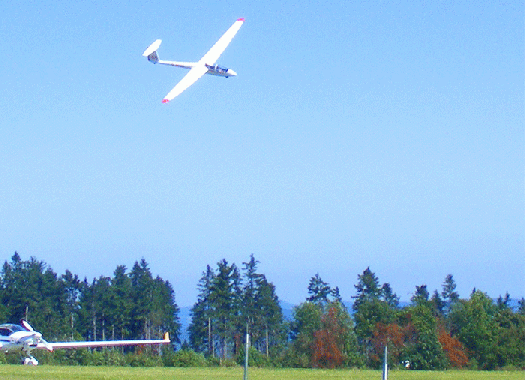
point(15, 372)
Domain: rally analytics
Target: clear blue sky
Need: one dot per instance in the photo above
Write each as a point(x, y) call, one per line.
point(385, 134)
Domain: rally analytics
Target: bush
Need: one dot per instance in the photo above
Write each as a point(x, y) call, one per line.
point(143, 360)
point(184, 358)
point(292, 359)
point(255, 358)
point(228, 363)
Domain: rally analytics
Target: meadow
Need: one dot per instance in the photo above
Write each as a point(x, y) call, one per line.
point(16, 372)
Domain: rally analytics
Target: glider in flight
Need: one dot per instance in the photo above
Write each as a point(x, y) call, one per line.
point(23, 338)
point(206, 65)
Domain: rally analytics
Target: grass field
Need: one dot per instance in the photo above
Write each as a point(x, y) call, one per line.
point(15, 372)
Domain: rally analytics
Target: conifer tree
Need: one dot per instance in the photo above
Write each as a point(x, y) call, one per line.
point(370, 308)
point(449, 294)
point(201, 328)
point(225, 302)
point(319, 290)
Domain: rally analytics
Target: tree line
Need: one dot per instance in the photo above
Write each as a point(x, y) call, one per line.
point(129, 305)
point(433, 331)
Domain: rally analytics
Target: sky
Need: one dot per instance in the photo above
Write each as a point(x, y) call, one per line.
point(382, 134)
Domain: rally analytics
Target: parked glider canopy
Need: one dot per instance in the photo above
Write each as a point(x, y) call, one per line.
point(24, 338)
point(206, 65)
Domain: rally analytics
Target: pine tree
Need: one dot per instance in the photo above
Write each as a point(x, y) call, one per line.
point(319, 290)
point(421, 296)
point(369, 307)
point(439, 305)
point(122, 303)
point(367, 287)
point(449, 294)
point(250, 297)
point(521, 308)
point(503, 303)
point(225, 302)
point(270, 321)
point(201, 329)
point(154, 309)
point(73, 288)
point(388, 295)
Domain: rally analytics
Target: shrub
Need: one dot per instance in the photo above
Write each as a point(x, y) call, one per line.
point(184, 358)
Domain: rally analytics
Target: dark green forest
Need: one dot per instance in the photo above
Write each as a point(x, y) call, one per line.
point(436, 330)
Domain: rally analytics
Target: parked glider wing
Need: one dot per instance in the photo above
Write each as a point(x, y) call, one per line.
point(103, 343)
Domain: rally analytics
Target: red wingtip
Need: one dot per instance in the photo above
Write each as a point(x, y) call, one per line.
point(240, 19)
point(165, 100)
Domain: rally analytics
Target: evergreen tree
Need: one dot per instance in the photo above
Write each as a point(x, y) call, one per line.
point(201, 329)
point(225, 302)
point(154, 308)
point(319, 290)
point(521, 308)
point(261, 309)
point(336, 295)
point(369, 307)
point(367, 287)
point(421, 296)
point(449, 294)
point(122, 303)
point(250, 307)
point(142, 297)
point(503, 303)
point(271, 330)
point(439, 305)
point(73, 291)
point(31, 291)
point(388, 295)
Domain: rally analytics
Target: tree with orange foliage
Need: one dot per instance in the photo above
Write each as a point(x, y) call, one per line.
point(453, 348)
point(327, 341)
point(391, 334)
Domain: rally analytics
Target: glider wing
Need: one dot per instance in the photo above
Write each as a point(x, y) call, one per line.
point(104, 343)
point(195, 73)
point(216, 50)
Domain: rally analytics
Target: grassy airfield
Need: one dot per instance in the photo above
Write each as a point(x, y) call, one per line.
point(15, 372)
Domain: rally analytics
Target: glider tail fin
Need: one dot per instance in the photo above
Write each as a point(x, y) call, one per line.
point(151, 52)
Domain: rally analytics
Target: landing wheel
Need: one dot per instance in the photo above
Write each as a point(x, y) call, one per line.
point(30, 361)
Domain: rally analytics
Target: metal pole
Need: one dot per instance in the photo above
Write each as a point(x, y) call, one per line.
point(385, 364)
point(246, 353)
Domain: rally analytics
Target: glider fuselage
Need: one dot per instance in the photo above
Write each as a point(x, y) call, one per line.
point(15, 337)
point(212, 69)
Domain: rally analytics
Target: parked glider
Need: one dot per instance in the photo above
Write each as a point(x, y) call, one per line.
point(23, 338)
point(206, 65)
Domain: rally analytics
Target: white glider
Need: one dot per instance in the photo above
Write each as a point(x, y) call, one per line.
point(23, 338)
point(206, 65)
